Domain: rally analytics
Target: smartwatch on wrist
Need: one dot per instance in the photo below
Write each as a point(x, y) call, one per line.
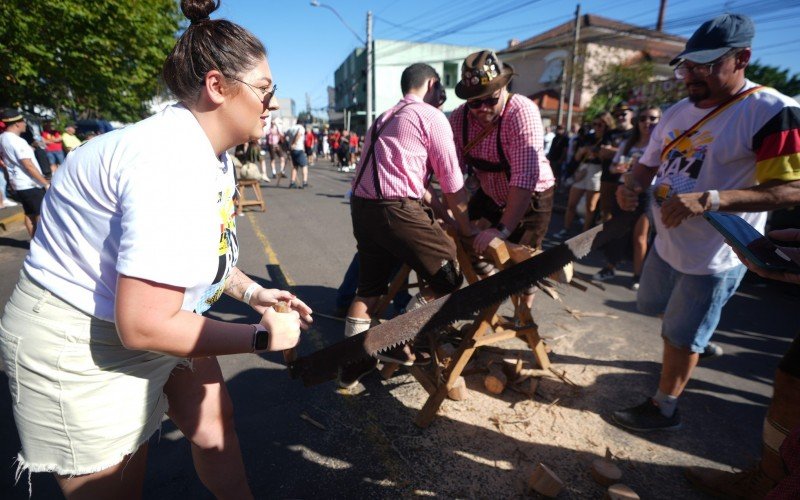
point(260, 337)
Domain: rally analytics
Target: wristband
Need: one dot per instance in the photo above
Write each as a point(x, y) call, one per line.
point(713, 196)
point(248, 294)
point(260, 337)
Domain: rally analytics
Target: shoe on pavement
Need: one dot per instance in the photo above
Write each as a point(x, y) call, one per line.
point(711, 351)
point(349, 375)
point(305, 185)
point(747, 484)
point(7, 203)
point(635, 283)
point(292, 185)
point(646, 417)
point(604, 274)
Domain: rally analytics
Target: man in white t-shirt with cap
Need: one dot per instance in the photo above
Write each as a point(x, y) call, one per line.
point(733, 146)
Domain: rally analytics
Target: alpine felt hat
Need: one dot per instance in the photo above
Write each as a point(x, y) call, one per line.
point(482, 74)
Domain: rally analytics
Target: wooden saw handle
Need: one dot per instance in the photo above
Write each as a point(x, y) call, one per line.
point(289, 355)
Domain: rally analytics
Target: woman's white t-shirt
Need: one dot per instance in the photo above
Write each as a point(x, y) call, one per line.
point(150, 201)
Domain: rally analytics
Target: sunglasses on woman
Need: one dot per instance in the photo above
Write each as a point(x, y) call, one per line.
point(649, 118)
point(487, 101)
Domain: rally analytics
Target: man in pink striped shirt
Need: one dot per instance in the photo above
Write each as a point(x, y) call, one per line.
point(405, 146)
point(499, 140)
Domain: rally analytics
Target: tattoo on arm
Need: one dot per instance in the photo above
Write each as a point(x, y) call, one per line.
point(237, 283)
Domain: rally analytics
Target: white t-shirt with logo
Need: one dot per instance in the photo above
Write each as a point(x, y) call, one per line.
point(150, 201)
point(14, 149)
point(719, 155)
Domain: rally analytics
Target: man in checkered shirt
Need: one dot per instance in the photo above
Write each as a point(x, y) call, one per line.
point(499, 141)
point(404, 148)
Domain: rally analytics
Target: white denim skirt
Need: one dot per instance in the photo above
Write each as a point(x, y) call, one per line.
point(81, 400)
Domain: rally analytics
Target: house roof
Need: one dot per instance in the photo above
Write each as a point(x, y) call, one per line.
point(592, 21)
point(547, 100)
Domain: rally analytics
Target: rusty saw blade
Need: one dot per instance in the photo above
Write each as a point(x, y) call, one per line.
point(462, 304)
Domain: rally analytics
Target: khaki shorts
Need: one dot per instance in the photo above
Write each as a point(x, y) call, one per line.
point(81, 400)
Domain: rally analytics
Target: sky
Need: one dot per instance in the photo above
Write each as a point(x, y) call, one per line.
point(306, 44)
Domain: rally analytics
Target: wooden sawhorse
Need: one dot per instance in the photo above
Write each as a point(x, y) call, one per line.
point(488, 328)
point(242, 201)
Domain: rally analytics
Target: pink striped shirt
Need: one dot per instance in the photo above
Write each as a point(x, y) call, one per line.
point(414, 143)
point(522, 141)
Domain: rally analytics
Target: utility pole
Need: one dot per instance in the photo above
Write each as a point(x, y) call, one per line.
point(370, 70)
point(562, 83)
point(661, 11)
point(574, 66)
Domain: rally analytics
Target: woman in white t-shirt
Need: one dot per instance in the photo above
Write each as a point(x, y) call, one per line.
point(137, 238)
point(627, 155)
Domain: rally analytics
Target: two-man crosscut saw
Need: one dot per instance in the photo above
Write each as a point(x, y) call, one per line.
point(462, 304)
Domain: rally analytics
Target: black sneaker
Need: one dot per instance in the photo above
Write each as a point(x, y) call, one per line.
point(646, 417)
point(349, 375)
point(711, 351)
point(604, 274)
point(292, 185)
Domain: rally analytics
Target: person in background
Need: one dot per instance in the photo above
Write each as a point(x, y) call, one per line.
point(69, 140)
point(590, 157)
point(24, 171)
point(53, 145)
point(629, 152)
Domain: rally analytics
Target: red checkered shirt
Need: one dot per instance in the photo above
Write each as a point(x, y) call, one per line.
point(523, 145)
point(414, 143)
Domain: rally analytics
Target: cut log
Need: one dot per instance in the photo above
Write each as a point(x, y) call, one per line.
point(620, 492)
point(605, 472)
point(512, 368)
point(495, 382)
point(545, 482)
point(459, 391)
point(533, 384)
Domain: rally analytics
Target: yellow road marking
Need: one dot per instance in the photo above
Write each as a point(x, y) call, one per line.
point(272, 257)
point(7, 221)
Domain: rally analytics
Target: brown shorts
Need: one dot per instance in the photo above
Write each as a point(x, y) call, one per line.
point(276, 151)
point(402, 230)
point(536, 218)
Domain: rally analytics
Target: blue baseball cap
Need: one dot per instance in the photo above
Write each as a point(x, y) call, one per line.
point(716, 37)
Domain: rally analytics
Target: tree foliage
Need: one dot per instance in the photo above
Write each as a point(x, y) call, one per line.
point(774, 77)
point(616, 83)
point(101, 57)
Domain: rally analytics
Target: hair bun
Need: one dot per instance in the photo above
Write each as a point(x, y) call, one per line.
point(198, 11)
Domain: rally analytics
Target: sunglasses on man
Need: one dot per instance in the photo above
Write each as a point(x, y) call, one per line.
point(486, 101)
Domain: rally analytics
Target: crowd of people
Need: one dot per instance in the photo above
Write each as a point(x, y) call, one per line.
point(98, 263)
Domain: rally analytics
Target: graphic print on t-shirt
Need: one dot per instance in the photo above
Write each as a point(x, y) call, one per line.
point(228, 250)
point(678, 174)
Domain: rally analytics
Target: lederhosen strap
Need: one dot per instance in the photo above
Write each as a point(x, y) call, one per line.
point(370, 156)
point(479, 163)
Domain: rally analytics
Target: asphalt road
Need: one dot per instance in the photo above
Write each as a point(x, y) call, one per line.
point(370, 447)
